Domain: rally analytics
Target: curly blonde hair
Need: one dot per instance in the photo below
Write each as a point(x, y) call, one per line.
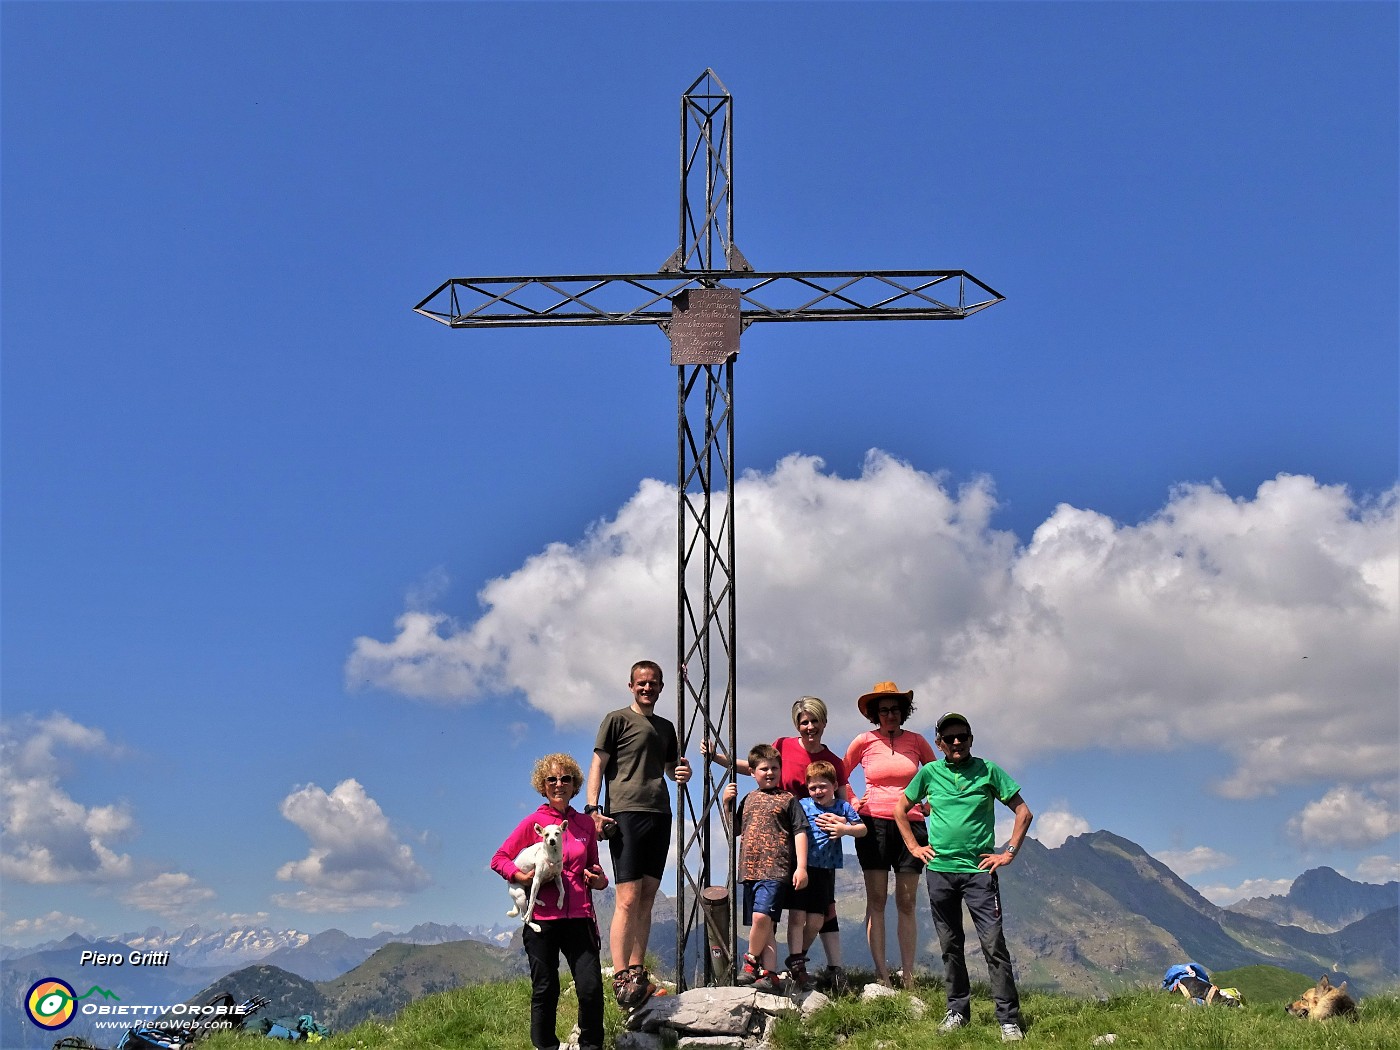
point(565, 765)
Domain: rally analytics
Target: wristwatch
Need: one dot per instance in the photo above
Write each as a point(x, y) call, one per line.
point(592, 809)
point(1011, 850)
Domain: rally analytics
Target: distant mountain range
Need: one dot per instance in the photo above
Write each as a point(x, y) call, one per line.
point(1322, 901)
point(317, 957)
point(1093, 916)
point(1099, 914)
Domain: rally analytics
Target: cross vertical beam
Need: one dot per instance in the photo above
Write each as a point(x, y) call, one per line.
point(706, 622)
point(707, 180)
point(704, 343)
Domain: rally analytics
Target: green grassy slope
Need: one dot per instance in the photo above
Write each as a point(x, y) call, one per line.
point(495, 1016)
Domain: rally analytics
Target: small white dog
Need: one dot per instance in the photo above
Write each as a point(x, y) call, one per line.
point(546, 859)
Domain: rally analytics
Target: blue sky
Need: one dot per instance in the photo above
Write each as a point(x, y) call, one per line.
point(297, 584)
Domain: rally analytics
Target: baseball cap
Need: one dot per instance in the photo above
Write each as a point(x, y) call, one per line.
point(951, 716)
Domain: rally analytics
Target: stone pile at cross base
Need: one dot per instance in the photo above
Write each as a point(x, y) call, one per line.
point(722, 1018)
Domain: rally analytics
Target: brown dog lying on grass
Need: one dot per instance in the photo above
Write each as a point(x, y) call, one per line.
point(1324, 1001)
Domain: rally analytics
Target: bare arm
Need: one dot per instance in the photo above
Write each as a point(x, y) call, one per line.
point(595, 778)
point(719, 758)
point(799, 876)
point(679, 770)
point(595, 785)
point(855, 828)
point(906, 831)
point(1024, 816)
point(852, 763)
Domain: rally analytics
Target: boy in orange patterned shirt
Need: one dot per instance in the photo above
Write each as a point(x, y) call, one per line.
point(773, 856)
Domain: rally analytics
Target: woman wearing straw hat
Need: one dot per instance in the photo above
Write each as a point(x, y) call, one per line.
point(888, 756)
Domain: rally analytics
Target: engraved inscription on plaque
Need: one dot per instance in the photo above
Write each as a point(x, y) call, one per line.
point(704, 326)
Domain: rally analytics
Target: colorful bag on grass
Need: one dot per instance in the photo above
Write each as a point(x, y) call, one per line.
point(304, 1028)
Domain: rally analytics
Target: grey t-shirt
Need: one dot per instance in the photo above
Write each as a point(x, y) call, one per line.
point(638, 748)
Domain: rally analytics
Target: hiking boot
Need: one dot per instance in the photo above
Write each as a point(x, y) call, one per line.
point(953, 1021)
point(619, 983)
point(748, 973)
point(631, 987)
point(638, 987)
point(768, 981)
point(834, 977)
point(1011, 1033)
point(797, 971)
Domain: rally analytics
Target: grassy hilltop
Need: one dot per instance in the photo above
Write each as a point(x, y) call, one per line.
point(495, 1016)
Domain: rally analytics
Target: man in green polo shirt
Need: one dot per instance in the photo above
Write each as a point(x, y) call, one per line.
point(962, 864)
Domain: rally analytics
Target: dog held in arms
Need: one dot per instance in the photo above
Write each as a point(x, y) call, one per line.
point(546, 859)
point(1324, 1001)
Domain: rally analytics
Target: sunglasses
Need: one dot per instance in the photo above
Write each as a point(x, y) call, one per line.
point(886, 710)
point(955, 738)
point(567, 778)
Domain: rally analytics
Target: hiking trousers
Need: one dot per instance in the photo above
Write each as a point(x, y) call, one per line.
point(948, 891)
point(577, 941)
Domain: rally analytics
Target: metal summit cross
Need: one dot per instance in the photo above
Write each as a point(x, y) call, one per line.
point(703, 297)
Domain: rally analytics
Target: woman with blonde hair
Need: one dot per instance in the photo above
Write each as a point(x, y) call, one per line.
point(569, 926)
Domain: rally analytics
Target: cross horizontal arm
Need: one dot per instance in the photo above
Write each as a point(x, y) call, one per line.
point(645, 298)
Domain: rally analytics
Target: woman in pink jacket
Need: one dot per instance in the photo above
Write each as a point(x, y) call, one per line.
point(568, 927)
point(888, 757)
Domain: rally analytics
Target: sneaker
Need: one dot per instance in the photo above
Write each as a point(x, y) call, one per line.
point(748, 973)
point(953, 1021)
point(797, 972)
point(768, 981)
point(1011, 1033)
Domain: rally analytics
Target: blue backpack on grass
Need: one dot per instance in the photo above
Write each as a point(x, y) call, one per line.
point(295, 1029)
point(1194, 983)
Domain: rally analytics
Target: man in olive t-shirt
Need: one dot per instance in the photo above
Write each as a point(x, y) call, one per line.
point(635, 751)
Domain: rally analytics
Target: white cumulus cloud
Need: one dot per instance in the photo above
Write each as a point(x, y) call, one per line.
point(355, 860)
point(1218, 622)
point(1228, 895)
point(50, 924)
point(1188, 862)
point(49, 837)
point(1345, 816)
point(1378, 869)
point(174, 895)
point(1050, 828)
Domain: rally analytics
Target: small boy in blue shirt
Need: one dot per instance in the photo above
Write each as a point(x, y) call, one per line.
point(829, 819)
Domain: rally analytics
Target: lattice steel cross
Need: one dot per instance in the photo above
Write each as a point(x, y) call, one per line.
point(704, 296)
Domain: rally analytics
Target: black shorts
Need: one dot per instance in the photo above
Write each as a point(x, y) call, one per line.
point(882, 847)
point(640, 846)
point(819, 893)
